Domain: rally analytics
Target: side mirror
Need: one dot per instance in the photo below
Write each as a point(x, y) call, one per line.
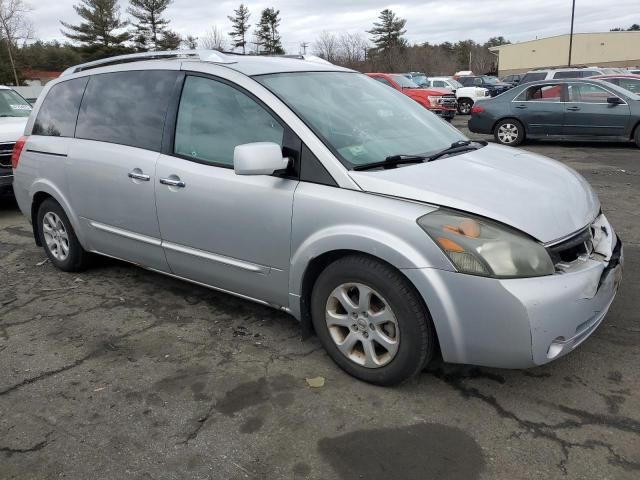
point(614, 101)
point(260, 158)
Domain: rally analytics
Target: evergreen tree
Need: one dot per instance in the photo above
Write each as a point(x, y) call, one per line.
point(150, 27)
point(170, 40)
point(387, 33)
point(267, 33)
point(98, 33)
point(240, 22)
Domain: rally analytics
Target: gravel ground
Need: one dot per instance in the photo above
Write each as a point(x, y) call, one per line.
point(120, 373)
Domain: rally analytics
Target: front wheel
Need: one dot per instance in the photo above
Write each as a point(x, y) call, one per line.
point(464, 106)
point(509, 132)
point(371, 321)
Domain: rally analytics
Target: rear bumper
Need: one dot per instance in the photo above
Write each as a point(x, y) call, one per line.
point(477, 124)
point(518, 323)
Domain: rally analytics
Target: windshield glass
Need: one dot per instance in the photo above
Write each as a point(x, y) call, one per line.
point(403, 81)
point(13, 105)
point(419, 79)
point(362, 121)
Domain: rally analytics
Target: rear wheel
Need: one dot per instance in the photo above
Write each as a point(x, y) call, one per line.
point(637, 136)
point(464, 106)
point(58, 238)
point(509, 132)
point(371, 321)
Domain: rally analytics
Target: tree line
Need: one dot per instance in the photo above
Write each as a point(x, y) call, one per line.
point(103, 32)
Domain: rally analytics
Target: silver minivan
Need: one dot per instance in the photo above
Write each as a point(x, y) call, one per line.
point(318, 191)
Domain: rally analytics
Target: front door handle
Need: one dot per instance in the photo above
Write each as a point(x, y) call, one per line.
point(573, 109)
point(522, 107)
point(172, 182)
point(139, 176)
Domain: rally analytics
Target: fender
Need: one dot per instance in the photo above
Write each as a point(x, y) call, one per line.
point(46, 186)
point(358, 238)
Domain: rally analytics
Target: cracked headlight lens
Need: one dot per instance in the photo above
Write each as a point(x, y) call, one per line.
point(479, 246)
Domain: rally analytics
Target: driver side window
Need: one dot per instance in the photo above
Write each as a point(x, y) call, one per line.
point(214, 118)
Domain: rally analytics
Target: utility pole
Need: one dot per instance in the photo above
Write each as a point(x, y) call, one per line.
point(304, 46)
point(573, 13)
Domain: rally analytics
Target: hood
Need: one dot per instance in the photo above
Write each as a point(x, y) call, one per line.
point(532, 193)
point(426, 92)
point(12, 128)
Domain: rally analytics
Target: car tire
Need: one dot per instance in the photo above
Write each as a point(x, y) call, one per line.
point(384, 334)
point(509, 132)
point(637, 136)
point(464, 106)
point(59, 239)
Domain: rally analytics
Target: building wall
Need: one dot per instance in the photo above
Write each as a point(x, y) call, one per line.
point(616, 49)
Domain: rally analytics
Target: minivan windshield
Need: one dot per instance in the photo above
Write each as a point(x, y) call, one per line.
point(362, 121)
point(13, 105)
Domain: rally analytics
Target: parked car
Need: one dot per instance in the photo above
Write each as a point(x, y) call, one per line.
point(560, 73)
point(438, 100)
point(317, 191)
point(512, 80)
point(560, 108)
point(14, 111)
point(465, 96)
point(492, 84)
point(628, 82)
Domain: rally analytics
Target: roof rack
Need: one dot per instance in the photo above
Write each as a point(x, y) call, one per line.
point(212, 56)
point(558, 67)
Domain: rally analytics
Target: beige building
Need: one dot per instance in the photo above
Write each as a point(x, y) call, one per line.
point(607, 49)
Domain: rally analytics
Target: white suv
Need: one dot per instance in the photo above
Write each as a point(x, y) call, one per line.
point(559, 73)
point(466, 96)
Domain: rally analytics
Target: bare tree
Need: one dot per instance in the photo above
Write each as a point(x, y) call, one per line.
point(214, 39)
point(353, 48)
point(14, 26)
point(327, 46)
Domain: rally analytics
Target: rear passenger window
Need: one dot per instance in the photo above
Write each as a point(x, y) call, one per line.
point(214, 118)
point(59, 111)
point(541, 93)
point(533, 77)
point(127, 108)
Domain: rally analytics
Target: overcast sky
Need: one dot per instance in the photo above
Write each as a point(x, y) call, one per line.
point(432, 21)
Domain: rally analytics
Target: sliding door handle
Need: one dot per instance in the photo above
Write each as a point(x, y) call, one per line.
point(172, 182)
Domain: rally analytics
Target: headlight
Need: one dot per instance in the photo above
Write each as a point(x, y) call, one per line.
point(483, 247)
point(434, 100)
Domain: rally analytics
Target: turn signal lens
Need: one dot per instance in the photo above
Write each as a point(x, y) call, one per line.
point(449, 245)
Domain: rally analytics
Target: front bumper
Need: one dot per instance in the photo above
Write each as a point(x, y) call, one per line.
point(518, 323)
point(444, 113)
point(6, 180)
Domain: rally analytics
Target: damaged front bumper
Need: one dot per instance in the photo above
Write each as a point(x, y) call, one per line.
point(521, 323)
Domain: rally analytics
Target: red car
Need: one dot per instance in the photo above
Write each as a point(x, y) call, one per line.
point(629, 81)
point(438, 100)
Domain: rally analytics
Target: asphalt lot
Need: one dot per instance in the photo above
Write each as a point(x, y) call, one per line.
point(120, 373)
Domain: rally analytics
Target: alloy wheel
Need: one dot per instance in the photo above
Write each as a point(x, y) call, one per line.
point(508, 133)
point(55, 236)
point(362, 325)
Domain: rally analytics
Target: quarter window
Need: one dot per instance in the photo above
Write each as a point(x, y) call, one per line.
point(541, 93)
point(214, 118)
point(127, 108)
point(587, 93)
point(59, 111)
point(567, 74)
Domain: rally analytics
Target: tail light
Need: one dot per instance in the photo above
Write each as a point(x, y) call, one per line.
point(477, 109)
point(17, 150)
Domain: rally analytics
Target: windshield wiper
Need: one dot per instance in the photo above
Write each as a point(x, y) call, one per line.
point(392, 162)
point(456, 147)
